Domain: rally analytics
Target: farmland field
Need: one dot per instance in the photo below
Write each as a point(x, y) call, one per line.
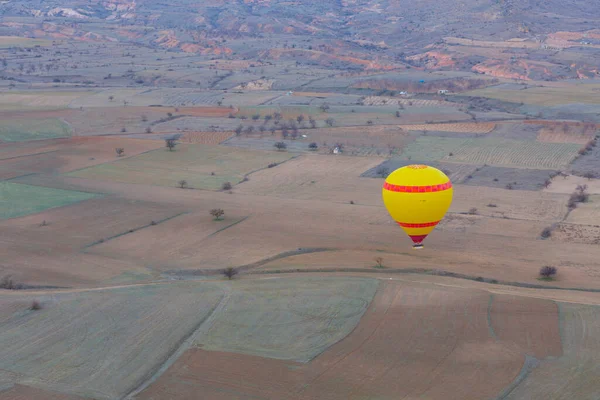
point(465, 127)
point(17, 199)
point(514, 178)
point(115, 337)
point(10, 41)
point(191, 162)
point(412, 330)
point(37, 100)
point(579, 366)
point(544, 96)
point(205, 137)
point(492, 151)
point(32, 129)
point(292, 319)
point(313, 177)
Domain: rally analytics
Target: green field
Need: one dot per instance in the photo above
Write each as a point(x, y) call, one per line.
point(20, 130)
point(101, 344)
point(193, 163)
point(492, 151)
point(17, 200)
point(289, 318)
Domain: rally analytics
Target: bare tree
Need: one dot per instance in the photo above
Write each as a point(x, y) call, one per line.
point(330, 121)
point(120, 151)
point(379, 262)
point(230, 272)
point(312, 122)
point(324, 107)
point(182, 184)
point(239, 129)
point(300, 118)
point(217, 213)
point(170, 143)
point(280, 146)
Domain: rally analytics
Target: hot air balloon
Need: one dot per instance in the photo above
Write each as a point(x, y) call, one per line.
point(417, 198)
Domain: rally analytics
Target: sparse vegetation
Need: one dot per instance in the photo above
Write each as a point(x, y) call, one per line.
point(580, 195)
point(7, 282)
point(217, 213)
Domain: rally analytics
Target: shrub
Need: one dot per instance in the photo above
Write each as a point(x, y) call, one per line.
point(479, 279)
point(313, 146)
point(120, 151)
point(473, 211)
point(272, 165)
point(492, 205)
point(182, 183)
point(226, 186)
point(230, 272)
point(280, 146)
point(217, 213)
point(546, 232)
point(548, 272)
point(379, 262)
point(35, 305)
point(152, 222)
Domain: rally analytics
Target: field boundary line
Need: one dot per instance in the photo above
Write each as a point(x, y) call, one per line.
point(423, 271)
point(228, 226)
point(133, 230)
point(489, 317)
point(529, 364)
point(185, 344)
point(113, 161)
point(30, 155)
point(245, 267)
point(246, 176)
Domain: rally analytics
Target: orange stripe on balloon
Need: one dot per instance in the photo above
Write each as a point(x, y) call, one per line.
point(423, 225)
point(417, 189)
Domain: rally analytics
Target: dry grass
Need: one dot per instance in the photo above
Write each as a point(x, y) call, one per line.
point(467, 127)
point(205, 137)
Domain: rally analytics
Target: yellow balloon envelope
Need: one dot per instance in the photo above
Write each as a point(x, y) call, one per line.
point(417, 197)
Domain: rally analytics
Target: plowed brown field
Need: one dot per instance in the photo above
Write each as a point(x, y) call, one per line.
point(415, 341)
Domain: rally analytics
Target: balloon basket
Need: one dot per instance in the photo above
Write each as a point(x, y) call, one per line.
point(417, 246)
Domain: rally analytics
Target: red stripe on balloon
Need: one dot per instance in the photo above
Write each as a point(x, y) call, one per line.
point(424, 225)
point(417, 189)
